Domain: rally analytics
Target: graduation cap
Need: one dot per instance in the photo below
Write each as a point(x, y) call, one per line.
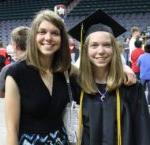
point(97, 21)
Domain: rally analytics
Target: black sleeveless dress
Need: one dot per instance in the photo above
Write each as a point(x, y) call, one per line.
point(41, 113)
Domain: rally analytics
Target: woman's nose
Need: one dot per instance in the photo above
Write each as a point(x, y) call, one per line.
point(48, 35)
point(101, 49)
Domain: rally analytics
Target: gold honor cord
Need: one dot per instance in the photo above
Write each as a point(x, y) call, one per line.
point(80, 119)
point(119, 139)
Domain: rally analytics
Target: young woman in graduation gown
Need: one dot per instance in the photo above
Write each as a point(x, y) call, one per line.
point(101, 64)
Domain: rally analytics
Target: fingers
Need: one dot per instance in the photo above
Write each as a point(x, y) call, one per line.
point(130, 79)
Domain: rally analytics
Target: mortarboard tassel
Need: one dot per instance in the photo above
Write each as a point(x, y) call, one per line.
point(81, 37)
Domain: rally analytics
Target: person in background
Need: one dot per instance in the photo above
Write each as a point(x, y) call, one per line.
point(10, 52)
point(134, 57)
point(126, 50)
point(18, 40)
point(72, 49)
point(121, 49)
point(113, 113)
point(144, 64)
point(135, 33)
point(5, 59)
point(36, 88)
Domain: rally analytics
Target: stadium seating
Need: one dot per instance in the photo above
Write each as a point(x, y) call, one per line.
point(23, 9)
point(111, 6)
point(20, 12)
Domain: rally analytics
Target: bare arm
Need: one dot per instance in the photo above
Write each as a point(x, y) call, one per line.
point(12, 110)
point(130, 77)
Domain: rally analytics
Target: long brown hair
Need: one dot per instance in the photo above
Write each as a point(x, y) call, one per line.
point(61, 61)
point(115, 72)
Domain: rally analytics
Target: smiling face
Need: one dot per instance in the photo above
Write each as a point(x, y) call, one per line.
point(100, 49)
point(48, 38)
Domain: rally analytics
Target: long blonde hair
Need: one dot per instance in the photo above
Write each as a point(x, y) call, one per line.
point(61, 61)
point(115, 72)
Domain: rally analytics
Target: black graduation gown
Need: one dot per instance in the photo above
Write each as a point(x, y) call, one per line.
point(99, 118)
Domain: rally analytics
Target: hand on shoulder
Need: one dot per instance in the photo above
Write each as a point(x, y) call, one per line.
point(130, 77)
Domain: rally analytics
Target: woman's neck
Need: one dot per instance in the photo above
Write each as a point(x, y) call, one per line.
point(46, 62)
point(100, 76)
point(20, 55)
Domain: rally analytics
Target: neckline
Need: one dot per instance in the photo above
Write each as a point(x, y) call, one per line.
point(102, 91)
point(101, 85)
point(50, 93)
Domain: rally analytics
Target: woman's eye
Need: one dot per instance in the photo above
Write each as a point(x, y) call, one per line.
point(94, 45)
point(55, 33)
point(41, 32)
point(108, 45)
point(44, 32)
